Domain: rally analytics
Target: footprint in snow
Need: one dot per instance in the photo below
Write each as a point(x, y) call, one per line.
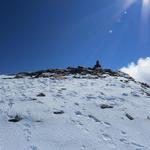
point(39, 102)
point(90, 97)
point(60, 96)
point(83, 147)
point(135, 94)
point(78, 113)
point(10, 103)
point(125, 141)
point(27, 131)
point(86, 130)
point(107, 124)
point(108, 139)
point(77, 123)
point(2, 102)
point(34, 147)
point(137, 145)
point(73, 94)
point(94, 118)
point(83, 84)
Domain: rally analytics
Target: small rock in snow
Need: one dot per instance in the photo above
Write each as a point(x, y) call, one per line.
point(78, 113)
point(41, 95)
point(58, 112)
point(148, 117)
point(129, 116)
point(17, 118)
point(77, 104)
point(104, 106)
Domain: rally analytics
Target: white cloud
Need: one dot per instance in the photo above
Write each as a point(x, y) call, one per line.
point(140, 70)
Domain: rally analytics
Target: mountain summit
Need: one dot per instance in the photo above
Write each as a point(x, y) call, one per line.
point(74, 109)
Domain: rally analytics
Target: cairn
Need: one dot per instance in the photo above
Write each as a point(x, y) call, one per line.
point(97, 66)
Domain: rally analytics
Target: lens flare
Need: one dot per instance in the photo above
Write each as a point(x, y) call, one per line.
point(146, 2)
point(144, 18)
point(146, 9)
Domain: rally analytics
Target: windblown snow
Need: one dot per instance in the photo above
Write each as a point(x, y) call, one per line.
point(109, 113)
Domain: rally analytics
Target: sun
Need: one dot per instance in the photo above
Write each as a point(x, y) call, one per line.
point(146, 2)
point(129, 3)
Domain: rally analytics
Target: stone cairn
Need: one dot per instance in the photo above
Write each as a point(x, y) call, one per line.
point(97, 66)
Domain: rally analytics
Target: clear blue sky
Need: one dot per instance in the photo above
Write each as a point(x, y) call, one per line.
point(41, 34)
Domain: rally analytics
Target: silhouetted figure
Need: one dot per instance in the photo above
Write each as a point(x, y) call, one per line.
point(97, 66)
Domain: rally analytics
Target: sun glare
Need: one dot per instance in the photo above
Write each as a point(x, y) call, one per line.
point(146, 2)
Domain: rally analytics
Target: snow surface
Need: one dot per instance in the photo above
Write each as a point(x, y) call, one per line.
point(83, 125)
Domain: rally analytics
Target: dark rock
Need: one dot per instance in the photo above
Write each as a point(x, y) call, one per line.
point(77, 104)
point(148, 117)
point(129, 116)
point(58, 112)
point(22, 75)
point(125, 75)
point(124, 94)
point(110, 72)
point(38, 75)
point(62, 89)
point(97, 71)
point(17, 118)
point(104, 106)
point(38, 121)
point(144, 85)
point(41, 95)
point(78, 113)
point(75, 70)
point(147, 94)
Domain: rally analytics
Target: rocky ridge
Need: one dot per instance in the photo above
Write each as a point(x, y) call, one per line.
point(78, 72)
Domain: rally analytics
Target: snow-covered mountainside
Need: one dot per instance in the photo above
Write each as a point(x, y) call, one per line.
point(81, 112)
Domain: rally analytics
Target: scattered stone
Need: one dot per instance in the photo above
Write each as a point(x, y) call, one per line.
point(39, 120)
point(123, 132)
point(110, 72)
point(144, 85)
point(17, 118)
point(148, 117)
point(104, 106)
point(77, 104)
point(78, 113)
point(58, 112)
point(93, 73)
point(129, 116)
point(124, 94)
point(41, 95)
point(135, 94)
point(148, 94)
point(63, 89)
point(22, 75)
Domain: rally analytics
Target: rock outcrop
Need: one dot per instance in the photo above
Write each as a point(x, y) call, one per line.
point(78, 72)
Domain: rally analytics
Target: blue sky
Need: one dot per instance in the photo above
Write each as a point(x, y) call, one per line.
point(40, 34)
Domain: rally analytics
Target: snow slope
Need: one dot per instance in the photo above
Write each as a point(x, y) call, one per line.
point(70, 117)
